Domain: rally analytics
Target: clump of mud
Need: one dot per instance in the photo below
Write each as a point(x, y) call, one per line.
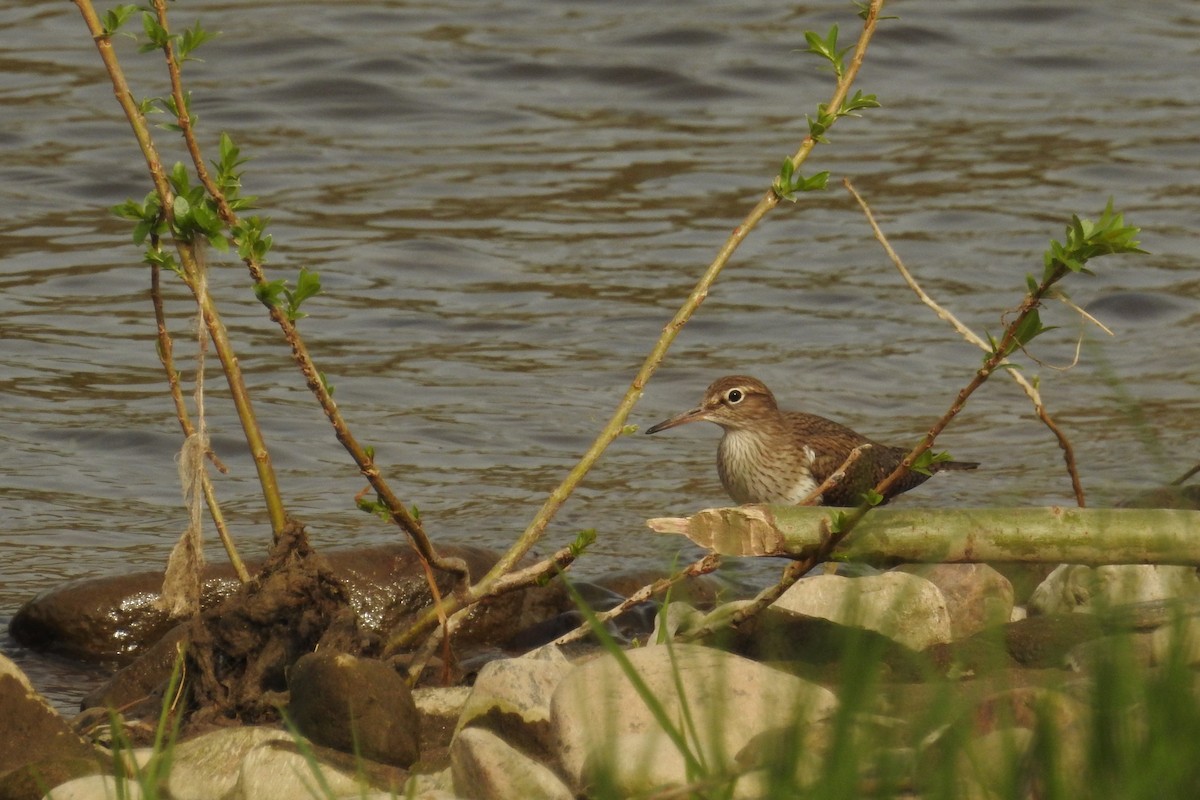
point(240, 650)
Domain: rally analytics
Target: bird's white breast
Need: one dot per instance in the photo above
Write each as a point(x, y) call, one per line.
point(753, 471)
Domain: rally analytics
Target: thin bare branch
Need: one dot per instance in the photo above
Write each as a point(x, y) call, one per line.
point(702, 566)
point(947, 316)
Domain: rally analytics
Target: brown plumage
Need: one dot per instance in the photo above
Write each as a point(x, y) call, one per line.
point(773, 456)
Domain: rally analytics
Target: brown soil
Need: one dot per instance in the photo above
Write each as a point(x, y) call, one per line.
point(240, 650)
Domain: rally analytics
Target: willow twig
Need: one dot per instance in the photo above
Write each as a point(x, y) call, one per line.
point(537, 573)
point(702, 566)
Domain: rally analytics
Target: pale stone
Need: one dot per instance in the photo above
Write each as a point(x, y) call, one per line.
point(441, 701)
point(729, 699)
point(519, 689)
point(976, 595)
point(209, 766)
point(272, 773)
point(1072, 587)
point(95, 787)
point(636, 764)
point(986, 763)
point(906, 608)
point(429, 785)
point(486, 768)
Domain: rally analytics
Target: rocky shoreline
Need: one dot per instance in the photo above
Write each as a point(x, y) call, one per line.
point(752, 709)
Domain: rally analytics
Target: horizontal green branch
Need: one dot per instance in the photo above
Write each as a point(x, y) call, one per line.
point(890, 535)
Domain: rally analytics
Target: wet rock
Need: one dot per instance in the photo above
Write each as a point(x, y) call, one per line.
point(977, 596)
point(485, 767)
point(1045, 641)
point(114, 618)
point(32, 735)
point(356, 705)
point(137, 687)
point(904, 607)
point(1072, 587)
point(816, 647)
point(108, 619)
point(730, 698)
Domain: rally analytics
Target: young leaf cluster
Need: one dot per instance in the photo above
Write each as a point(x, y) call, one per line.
point(157, 37)
point(193, 213)
point(827, 49)
point(789, 183)
point(1087, 240)
point(850, 108)
point(229, 175)
point(151, 224)
point(115, 18)
point(277, 294)
point(924, 462)
point(147, 214)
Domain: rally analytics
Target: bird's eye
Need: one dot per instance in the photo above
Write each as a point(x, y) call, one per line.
point(734, 396)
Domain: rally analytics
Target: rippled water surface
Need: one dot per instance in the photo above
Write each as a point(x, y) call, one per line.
point(506, 202)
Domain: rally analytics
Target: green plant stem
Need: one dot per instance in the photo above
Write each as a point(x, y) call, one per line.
point(188, 260)
point(616, 423)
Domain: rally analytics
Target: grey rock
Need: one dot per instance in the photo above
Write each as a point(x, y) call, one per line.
point(485, 767)
point(907, 608)
point(730, 699)
point(511, 696)
point(976, 595)
point(268, 772)
point(1073, 587)
point(209, 766)
point(95, 787)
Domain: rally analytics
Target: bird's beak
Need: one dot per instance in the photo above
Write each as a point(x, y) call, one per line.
point(695, 415)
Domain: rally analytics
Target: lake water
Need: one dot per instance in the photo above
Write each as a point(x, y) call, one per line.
point(506, 202)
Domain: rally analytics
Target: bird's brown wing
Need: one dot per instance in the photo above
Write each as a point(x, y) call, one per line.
point(832, 443)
